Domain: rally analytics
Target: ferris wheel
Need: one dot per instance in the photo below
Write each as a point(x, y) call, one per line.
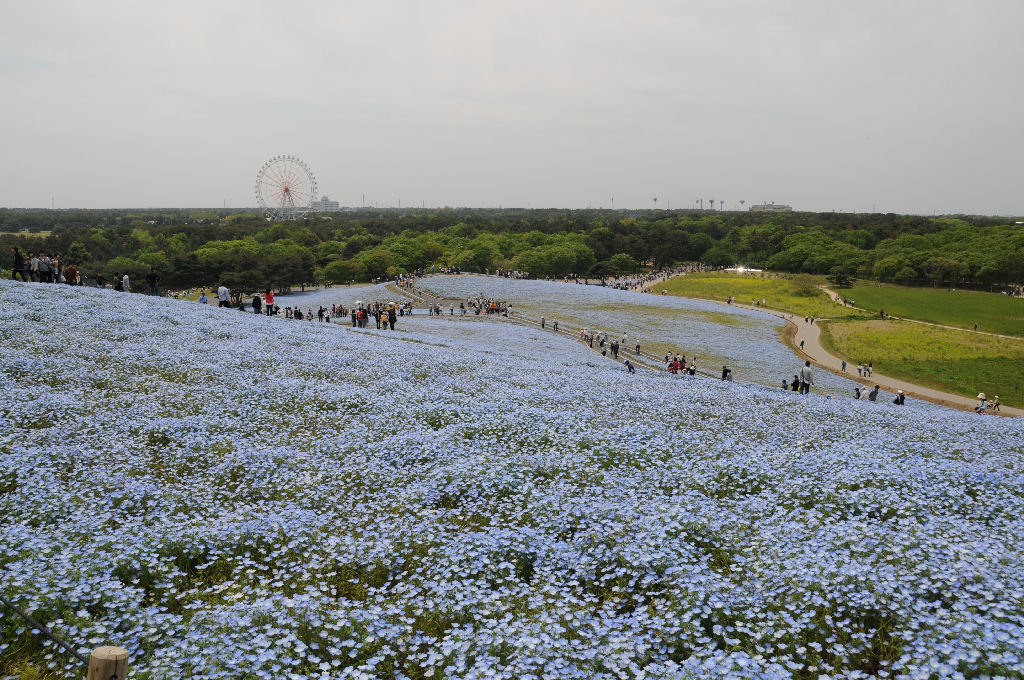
point(285, 188)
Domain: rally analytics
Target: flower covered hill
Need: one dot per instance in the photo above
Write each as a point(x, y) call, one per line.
point(233, 496)
point(716, 334)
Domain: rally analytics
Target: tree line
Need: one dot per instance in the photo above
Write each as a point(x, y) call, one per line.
point(242, 249)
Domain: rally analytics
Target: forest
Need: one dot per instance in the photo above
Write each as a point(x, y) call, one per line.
point(244, 250)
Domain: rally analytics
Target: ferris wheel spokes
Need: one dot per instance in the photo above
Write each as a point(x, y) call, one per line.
point(285, 188)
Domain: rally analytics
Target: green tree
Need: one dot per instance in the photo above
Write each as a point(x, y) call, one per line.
point(77, 254)
point(718, 257)
point(342, 271)
point(887, 267)
point(805, 285)
point(839, 277)
point(940, 269)
point(906, 275)
point(622, 263)
point(376, 262)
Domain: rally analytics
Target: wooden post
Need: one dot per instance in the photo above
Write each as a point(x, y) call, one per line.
point(108, 663)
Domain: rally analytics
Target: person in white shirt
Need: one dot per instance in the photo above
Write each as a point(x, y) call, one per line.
point(223, 296)
point(125, 285)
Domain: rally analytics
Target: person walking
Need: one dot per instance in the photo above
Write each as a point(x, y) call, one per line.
point(19, 264)
point(153, 280)
point(223, 296)
point(42, 267)
point(844, 366)
point(995, 403)
point(126, 285)
point(806, 378)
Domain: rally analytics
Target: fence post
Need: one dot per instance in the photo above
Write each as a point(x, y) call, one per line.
point(108, 663)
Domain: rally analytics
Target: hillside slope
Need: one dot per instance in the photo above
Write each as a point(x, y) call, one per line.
point(233, 496)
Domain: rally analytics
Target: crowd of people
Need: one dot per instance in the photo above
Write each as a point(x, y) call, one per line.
point(39, 267)
point(485, 305)
point(506, 273)
point(384, 314)
point(42, 268)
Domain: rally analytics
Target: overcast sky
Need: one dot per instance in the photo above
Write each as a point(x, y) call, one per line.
point(898, 106)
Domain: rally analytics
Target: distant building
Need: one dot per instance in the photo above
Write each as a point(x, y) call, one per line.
point(325, 205)
point(771, 207)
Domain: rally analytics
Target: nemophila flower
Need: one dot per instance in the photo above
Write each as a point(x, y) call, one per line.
point(480, 500)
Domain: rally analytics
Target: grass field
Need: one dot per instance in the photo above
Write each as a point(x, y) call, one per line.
point(779, 292)
point(992, 312)
point(956, 361)
point(41, 234)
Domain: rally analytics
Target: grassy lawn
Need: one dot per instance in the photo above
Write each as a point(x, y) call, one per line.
point(778, 291)
point(952, 360)
point(992, 312)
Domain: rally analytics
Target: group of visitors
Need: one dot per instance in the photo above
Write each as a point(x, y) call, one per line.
point(984, 406)
point(509, 273)
point(848, 302)
point(481, 304)
point(41, 268)
point(677, 365)
point(804, 380)
point(864, 370)
point(384, 314)
point(859, 394)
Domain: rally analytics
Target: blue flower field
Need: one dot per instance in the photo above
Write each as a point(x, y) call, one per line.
point(235, 496)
